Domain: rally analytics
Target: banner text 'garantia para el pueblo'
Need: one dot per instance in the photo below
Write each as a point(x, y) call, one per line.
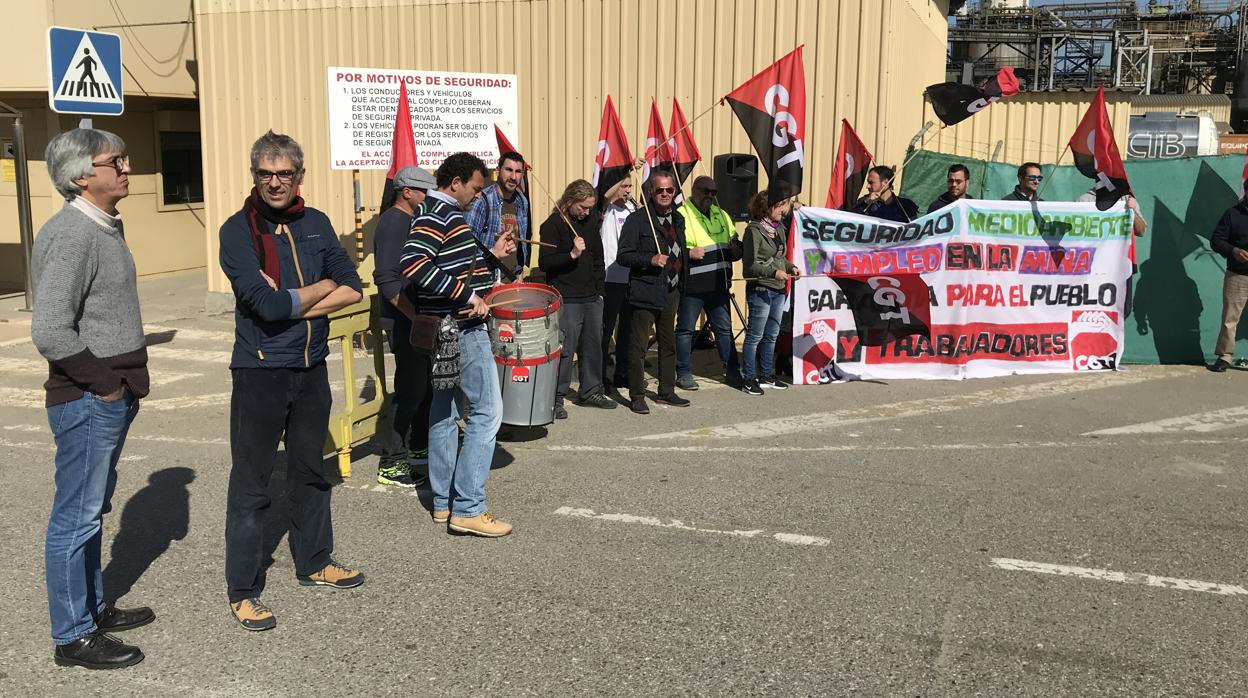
point(977, 289)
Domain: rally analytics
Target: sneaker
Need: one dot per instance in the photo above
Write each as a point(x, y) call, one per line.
point(441, 517)
point(484, 525)
point(1220, 365)
point(561, 412)
point(398, 474)
point(686, 383)
point(332, 575)
point(420, 457)
point(672, 400)
point(638, 406)
point(751, 387)
point(253, 615)
point(773, 383)
point(600, 401)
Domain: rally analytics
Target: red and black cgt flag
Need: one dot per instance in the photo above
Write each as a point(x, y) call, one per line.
point(772, 108)
point(888, 307)
point(1096, 154)
point(954, 102)
point(656, 154)
point(853, 160)
point(680, 143)
point(402, 148)
point(612, 159)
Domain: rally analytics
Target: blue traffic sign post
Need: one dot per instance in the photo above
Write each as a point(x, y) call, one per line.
point(84, 72)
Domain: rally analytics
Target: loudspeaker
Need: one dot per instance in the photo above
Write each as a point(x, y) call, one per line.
point(736, 175)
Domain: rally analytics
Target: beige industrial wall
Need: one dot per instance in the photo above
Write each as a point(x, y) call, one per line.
point(264, 66)
point(162, 238)
point(1033, 126)
point(159, 57)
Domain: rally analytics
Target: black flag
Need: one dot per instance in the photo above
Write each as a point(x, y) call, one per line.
point(888, 307)
point(954, 102)
point(772, 109)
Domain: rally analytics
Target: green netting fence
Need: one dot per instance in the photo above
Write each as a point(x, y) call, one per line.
point(1178, 288)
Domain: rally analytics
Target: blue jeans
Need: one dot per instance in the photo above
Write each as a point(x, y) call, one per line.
point(457, 474)
point(761, 329)
point(89, 434)
point(717, 310)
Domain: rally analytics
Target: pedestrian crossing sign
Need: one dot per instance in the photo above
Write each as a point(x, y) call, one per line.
point(84, 72)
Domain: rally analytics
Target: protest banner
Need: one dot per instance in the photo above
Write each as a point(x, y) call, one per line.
point(1011, 287)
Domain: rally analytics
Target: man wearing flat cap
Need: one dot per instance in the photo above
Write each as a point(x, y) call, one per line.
point(405, 440)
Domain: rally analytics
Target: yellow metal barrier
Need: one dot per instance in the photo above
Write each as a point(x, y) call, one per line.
point(358, 420)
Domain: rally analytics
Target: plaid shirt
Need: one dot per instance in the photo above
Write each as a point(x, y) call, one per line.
point(486, 219)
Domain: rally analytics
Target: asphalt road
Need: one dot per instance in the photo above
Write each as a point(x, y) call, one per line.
point(1028, 536)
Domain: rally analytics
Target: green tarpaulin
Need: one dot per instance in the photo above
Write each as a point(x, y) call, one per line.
point(1178, 288)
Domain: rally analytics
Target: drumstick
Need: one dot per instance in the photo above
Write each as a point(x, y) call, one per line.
point(503, 303)
point(537, 242)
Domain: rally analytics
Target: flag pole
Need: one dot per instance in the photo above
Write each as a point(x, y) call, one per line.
point(1053, 171)
point(553, 202)
point(646, 206)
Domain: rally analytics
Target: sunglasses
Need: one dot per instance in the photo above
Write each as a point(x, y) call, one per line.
point(1035, 178)
point(665, 190)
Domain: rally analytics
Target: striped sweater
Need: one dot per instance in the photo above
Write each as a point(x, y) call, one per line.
point(440, 259)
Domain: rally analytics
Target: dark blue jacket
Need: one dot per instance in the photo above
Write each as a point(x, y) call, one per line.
point(265, 335)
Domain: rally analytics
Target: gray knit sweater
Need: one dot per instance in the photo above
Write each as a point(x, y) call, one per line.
point(86, 306)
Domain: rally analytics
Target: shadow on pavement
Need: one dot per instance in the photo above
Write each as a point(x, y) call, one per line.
point(152, 519)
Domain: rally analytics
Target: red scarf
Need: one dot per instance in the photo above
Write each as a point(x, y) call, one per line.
point(255, 208)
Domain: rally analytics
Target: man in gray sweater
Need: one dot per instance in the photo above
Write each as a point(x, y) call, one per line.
point(86, 324)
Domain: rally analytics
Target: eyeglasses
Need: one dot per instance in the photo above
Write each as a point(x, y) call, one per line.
point(283, 176)
point(119, 163)
point(1035, 178)
point(665, 190)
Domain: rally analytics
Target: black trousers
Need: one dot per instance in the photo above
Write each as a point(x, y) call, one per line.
point(664, 324)
point(580, 324)
point(617, 317)
point(266, 404)
point(408, 427)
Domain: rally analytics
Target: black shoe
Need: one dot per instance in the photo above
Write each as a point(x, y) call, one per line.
point(773, 383)
point(99, 650)
point(751, 387)
point(672, 400)
point(638, 406)
point(115, 619)
point(600, 401)
point(1220, 365)
point(561, 412)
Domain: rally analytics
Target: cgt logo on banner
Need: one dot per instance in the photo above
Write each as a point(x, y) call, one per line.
point(1095, 340)
point(1008, 290)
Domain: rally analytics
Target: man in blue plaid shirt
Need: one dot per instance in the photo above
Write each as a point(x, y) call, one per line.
point(503, 207)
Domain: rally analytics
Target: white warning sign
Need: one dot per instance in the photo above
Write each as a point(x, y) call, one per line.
point(451, 112)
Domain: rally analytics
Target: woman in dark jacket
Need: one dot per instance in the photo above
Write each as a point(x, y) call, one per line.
point(574, 266)
point(769, 270)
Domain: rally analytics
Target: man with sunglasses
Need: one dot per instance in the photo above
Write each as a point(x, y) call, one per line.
point(652, 246)
point(713, 247)
point(86, 323)
point(1029, 179)
point(288, 272)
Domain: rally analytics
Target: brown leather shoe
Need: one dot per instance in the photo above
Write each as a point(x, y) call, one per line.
point(440, 517)
point(484, 525)
point(333, 575)
point(253, 615)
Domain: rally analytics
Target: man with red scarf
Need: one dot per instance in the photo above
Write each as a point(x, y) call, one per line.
point(288, 272)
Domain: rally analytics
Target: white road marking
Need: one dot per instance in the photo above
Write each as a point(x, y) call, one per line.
point(1151, 580)
point(193, 334)
point(187, 402)
point(911, 408)
point(1202, 423)
point(790, 538)
point(15, 342)
point(162, 351)
point(40, 367)
point(51, 448)
point(22, 397)
point(876, 446)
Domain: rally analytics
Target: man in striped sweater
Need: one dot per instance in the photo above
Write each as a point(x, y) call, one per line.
point(447, 277)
